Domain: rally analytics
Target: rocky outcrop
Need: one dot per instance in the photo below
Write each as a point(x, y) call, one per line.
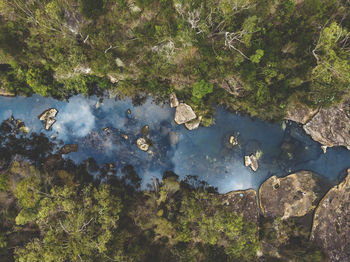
point(69, 148)
point(174, 102)
point(252, 162)
point(143, 144)
point(300, 113)
point(3, 92)
point(193, 124)
point(331, 126)
point(49, 117)
point(184, 114)
point(295, 195)
point(242, 202)
point(331, 225)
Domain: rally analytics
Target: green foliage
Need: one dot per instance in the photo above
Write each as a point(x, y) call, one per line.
point(200, 90)
point(257, 56)
point(91, 8)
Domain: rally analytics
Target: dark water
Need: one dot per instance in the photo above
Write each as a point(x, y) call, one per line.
point(284, 147)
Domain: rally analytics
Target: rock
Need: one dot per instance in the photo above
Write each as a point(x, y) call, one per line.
point(292, 196)
point(233, 141)
point(331, 224)
point(243, 202)
point(331, 126)
point(69, 148)
point(125, 136)
point(173, 100)
point(128, 111)
point(300, 113)
point(324, 149)
point(49, 116)
point(145, 130)
point(184, 114)
point(252, 162)
point(3, 92)
point(142, 144)
point(193, 124)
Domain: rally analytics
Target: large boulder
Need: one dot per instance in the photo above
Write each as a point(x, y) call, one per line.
point(331, 225)
point(331, 126)
point(300, 113)
point(252, 162)
point(49, 117)
point(295, 195)
point(184, 114)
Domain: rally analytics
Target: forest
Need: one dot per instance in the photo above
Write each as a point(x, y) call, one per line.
point(52, 209)
point(255, 56)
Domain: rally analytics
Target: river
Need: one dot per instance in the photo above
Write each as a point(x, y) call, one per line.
point(283, 147)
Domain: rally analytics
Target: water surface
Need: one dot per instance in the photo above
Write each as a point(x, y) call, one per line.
point(205, 152)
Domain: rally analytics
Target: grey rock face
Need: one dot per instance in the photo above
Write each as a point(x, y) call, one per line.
point(331, 224)
point(331, 126)
point(184, 114)
point(292, 196)
point(300, 113)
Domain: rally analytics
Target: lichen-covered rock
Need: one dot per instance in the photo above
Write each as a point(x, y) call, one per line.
point(184, 114)
point(69, 148)
point(174, 102)
point(49, 116)
point(242, 202)
point(331, 126)
point(193, 124)
point(300, 113)
point(295, 195)
point(331, 224)
point(252, 162)
point(142, 144)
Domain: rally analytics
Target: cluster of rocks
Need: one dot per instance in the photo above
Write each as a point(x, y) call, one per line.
point(184, 114)
point(144, 143)
point(49, 117)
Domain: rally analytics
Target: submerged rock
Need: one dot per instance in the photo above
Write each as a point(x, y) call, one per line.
point(125, 136)
point(184, 114)
point(331, 126)
point(252, 162)
point(331, 224)
point(174, 138)
point(49, 116)
point(174, 102)
point(143, 144)
point(292, 196)
point(145, 130)
point(69, 148)
point(193, 124)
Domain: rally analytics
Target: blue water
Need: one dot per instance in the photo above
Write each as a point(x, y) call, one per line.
point(203, 152)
